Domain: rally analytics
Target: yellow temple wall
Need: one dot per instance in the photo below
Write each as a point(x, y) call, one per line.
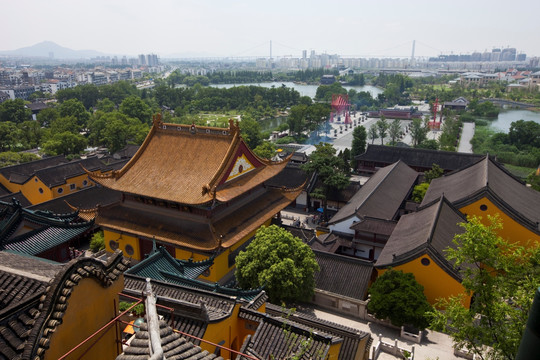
point(436, 282)
point(219, 269)
point(123, 240)
point(512, 231)
point(90, 306)
point(227, 330)
point(30, 190)
point(77, 181)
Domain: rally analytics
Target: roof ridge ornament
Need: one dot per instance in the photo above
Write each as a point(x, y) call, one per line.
point(156, 119)
point(234, 128)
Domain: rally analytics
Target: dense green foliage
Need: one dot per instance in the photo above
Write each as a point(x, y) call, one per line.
point(98, 242)
point(397, 296)
point(358, 145)
point(419, 192)
point(12, 158)
point(280, 262)
point(521, 146)
point(329, 169)
point(503, 278)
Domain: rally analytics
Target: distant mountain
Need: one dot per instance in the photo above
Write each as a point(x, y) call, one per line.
point(43, 49)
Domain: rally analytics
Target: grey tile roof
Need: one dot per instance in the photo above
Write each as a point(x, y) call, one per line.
point(46, 230)
point(490, 179)
point(351, 337)
point(174, 346)
point(382, 195)
point(343, 275)
point(21, 172)
point(418, 158)
point(430, 230)
point(281, 338)
point(57, 175)
point(376, 226)
point(87, 198)
point(210, 306)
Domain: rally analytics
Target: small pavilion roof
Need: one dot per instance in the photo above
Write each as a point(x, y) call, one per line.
point(488, 178)
point(430, 230)
point(48, 230)
point(191, 165)
point(160, 265)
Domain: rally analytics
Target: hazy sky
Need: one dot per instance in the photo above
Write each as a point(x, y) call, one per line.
point(246, 27)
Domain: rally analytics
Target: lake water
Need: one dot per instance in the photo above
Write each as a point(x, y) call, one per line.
point(303, 89)
point(507, 117)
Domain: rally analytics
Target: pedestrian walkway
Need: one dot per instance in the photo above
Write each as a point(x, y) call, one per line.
point(435, 345)
point(467, 134)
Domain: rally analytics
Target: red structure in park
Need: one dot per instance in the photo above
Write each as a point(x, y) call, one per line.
point(340, 107)
point(434, 124)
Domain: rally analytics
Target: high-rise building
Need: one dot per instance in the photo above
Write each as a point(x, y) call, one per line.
point(142, 59)
point(304, 54)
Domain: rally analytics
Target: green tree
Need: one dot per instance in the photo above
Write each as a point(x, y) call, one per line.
point(30, 133)
point(265, 150)
point(419, 131)
point(65, 143)
point(373, 133)
point(9, 136)
point(503, 278)
point(419, 192)
point(46, 116)
point(329, 169)
point(74, 108)
point(358, 145)
point(397, 296)
point(12, 158)
point(280, 262)
point(394, 130)
point(382, 128)
point(433, 173)
point(14, 111)
point(98, 242)
point(251, 131)
point(105, 105)
point(134, 107)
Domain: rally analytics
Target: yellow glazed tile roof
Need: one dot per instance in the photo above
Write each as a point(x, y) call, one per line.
point(187, 164)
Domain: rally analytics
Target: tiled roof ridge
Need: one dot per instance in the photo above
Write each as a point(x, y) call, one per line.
point(295, 326)
point(392, 168)
point(321, 322)
point(406, 149)
point(10, 226)
point(7, 168)
point(55, 301)
point(225, 163)
point(343, 257)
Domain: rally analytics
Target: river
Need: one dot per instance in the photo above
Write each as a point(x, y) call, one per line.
point(506, 117)
point(303, 89)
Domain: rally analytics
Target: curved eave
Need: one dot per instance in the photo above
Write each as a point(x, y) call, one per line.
point(248, 221)
point(241, 184)
point(501, 204)
point(419, 252)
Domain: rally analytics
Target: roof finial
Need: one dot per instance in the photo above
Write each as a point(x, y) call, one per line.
point(156, 119)
point(154, 247)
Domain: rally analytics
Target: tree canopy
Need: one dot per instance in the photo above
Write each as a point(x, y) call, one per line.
point(502, 278)
point(329, 169)
point(280, 262)
point(397, 296)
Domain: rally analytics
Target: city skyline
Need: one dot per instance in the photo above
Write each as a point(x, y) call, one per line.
point(245, 29)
